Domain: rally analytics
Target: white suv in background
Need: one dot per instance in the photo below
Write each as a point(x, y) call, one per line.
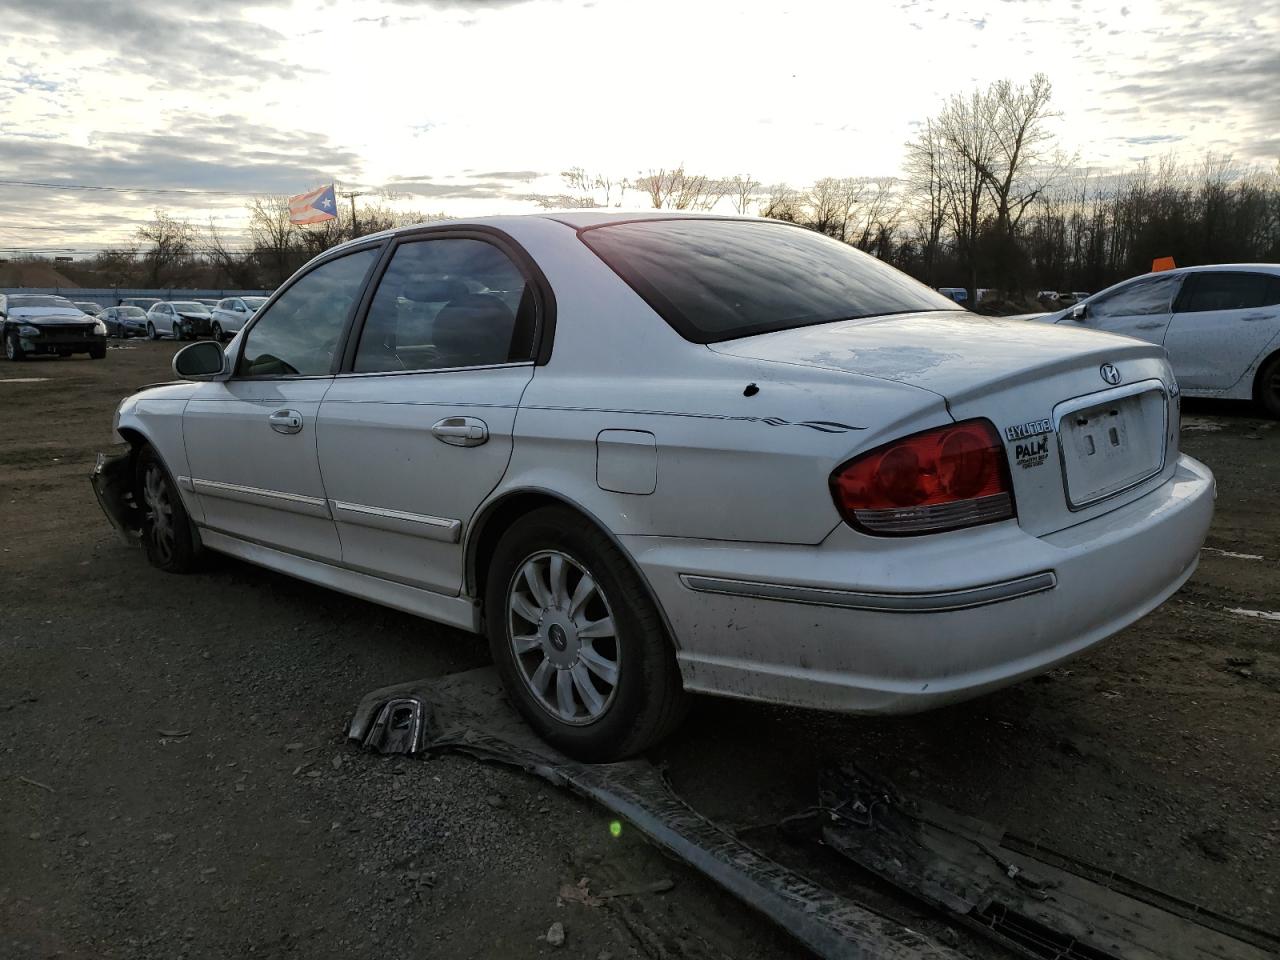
point(231, 314)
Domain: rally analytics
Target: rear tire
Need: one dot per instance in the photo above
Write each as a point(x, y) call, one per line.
point(588, 662)
point(1266, 390)
point(12, 348)
point(167, 533)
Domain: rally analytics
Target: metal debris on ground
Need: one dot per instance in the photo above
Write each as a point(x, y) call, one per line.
point(468, 713)
point(1035, 902)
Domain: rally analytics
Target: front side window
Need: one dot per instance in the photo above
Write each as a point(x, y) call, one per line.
point(1138, 299)
point(299, 334)
point(1231, 291)
point(715, 280)
point(451, 302)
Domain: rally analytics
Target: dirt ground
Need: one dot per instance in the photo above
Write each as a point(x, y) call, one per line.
point(256, 831)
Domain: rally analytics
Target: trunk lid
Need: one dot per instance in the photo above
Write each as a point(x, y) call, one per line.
point(1080, 442)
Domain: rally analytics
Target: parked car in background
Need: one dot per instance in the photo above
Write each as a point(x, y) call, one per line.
point(125, 321)
point(89, 307)
point(180, 319)
point(146, 303)
point(1219, 324)
point(209, 302)
point(231, 314)
point(34, 324)
point(958, 294)
point(1047, 296)
point(668, 453)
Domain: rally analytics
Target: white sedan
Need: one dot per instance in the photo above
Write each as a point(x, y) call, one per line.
point(1220, 325)
point(657, 454)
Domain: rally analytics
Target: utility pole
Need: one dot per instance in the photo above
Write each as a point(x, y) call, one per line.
point(352, 196)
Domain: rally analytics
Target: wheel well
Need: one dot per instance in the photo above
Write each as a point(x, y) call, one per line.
point(1262, 368)
point(498, 518)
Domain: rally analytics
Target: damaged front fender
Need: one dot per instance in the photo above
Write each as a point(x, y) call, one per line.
point(112, 481)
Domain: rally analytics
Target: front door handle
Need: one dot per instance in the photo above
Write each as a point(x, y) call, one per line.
point(461, 431)
point(1150, 326)
point(1249, 318)
point(286, 421)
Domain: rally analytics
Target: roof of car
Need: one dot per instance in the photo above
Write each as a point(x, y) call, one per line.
point(576, 219)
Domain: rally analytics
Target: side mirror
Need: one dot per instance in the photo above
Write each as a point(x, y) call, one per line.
point(1079, 311)
point(203, 360)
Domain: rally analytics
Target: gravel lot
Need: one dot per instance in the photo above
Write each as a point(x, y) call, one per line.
point(174, 779)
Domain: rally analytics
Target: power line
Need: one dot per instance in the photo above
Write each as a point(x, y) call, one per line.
point(150, 190)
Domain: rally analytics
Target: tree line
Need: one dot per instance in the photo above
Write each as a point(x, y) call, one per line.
point(988, 197)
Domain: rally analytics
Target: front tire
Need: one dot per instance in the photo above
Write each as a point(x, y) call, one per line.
point(12, 348)
point(151, 331)
point(578, 641)
point(98, 352)
point(218, 335)
point(1266, 391)
point(167, 533)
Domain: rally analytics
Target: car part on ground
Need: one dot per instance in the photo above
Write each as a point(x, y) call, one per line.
point(1031, 901)
point(1034, 902)
point(468, 713)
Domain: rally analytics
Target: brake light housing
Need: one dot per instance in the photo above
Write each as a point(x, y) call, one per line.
point(942, 479)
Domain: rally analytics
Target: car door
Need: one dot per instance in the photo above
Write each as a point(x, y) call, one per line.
point(1222, 320)
point(156, 321)
point(417, 429)
point(251, 440)
point(1140, 309)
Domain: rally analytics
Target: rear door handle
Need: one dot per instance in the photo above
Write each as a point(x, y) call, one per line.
point(461, 431)
point(286, 421)
point(1256, 316)
point(1150, 326)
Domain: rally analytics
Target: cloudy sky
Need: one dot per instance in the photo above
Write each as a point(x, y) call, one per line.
point(466, 107)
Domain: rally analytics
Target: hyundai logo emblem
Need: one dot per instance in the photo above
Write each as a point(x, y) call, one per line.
point(1110, 373)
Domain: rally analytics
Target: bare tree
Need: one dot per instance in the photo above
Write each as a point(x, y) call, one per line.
point(171, 245)
point(675, 189)
point(927, 191)
point(743, 191)
point(782, 202)
point(830, 204)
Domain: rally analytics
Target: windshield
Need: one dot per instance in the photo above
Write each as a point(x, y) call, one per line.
point(189, 306)
point(32, 301)
point(716, 280)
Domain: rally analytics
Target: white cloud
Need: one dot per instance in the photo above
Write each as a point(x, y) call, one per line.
point(372, 91)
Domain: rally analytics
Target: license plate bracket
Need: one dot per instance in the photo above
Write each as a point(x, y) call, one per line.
point(1110, 443)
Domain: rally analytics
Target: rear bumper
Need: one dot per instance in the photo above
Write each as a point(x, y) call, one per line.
point(869, 625)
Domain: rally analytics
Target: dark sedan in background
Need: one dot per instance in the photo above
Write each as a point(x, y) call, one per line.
point(124, 321)
point(36, 324)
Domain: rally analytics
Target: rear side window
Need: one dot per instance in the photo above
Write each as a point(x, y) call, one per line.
point(1146, 297)
point(716, 280)
point(451, 302)
point(299, 334)
point(1230, 291)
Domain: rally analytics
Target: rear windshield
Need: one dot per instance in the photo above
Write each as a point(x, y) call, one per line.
point(716, 280)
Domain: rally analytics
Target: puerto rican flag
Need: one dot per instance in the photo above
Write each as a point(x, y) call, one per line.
point(314, 207)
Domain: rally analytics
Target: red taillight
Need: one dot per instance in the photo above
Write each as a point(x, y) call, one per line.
point(941, 479)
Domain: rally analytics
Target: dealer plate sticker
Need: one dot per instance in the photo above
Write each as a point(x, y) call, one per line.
point(1030, 442)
